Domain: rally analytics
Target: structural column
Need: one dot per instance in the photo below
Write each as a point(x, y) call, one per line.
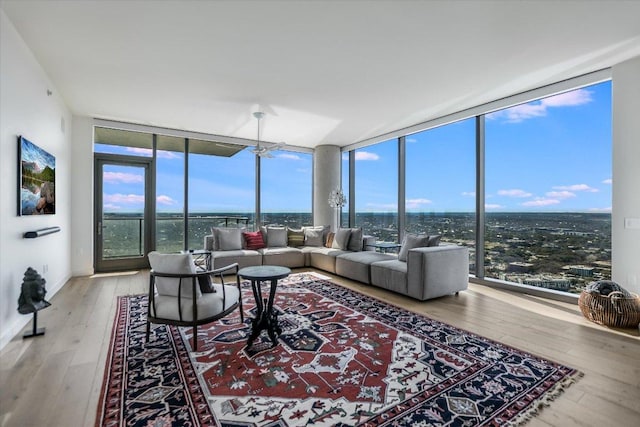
point(326, 177)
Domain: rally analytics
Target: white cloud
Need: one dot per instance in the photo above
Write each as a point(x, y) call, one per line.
point(608, 181)
point(514, 193)
point(288, 156)
point(126, 199)
point(111, 207)
point(541, 202)
point(569, 99)
point(410, 140)
point(165, 200)
point(539, 108)
point(365, 155)
point(560, 194)
point(121, 177)
point(604, 210)
point(492, 206)
point(416, 203)
point(161, 154)
point(576, 187)
point(468, 193)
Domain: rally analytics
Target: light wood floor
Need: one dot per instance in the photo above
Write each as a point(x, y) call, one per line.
point(55, 380)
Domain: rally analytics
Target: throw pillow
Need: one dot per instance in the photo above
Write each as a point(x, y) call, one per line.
point(312, 237)
point(434, 240)
point(253, 240)
point(411, 241)
point(295, 238)
point(174, 264)
point(330, 237)
point(276, 237)
point(228, 239)
point(355, 241)
point(206, 285)
point(341, 239)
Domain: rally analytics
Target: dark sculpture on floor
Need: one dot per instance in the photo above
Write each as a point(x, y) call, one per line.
point(31, 298)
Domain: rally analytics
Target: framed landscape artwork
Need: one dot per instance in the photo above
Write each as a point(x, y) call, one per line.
point(36, 178)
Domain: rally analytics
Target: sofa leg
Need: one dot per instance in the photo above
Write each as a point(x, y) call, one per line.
point(457, 293)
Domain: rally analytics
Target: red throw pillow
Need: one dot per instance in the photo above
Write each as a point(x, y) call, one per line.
point(253, 240)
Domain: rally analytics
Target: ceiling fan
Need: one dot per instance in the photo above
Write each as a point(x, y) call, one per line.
point(264, 150)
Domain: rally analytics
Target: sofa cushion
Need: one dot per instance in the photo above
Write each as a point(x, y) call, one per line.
point(295, 238)
point(227, 239)
point(411, 241)
point(355, 265)
point(276, 237)
point(253, 240)
point(390, 274)
point(355, 240)
point(341, 239)
point(285, 257)
point(244, 258)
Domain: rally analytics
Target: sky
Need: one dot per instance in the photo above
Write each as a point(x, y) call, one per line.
point(549, 155)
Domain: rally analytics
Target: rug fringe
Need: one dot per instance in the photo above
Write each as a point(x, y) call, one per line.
point(537, 405)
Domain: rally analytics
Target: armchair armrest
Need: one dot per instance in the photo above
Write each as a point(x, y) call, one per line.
point(436, 271)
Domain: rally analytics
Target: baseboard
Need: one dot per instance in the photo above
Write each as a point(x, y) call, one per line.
point(10, 331)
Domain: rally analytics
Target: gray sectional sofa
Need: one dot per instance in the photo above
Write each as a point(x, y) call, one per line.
point(419, 271)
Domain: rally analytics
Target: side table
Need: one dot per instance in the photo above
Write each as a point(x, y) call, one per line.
point(265, 317)
point(384, 246)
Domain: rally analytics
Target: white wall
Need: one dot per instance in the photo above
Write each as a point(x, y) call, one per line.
point(82, 197)
point(626, 174)
point(26, 109)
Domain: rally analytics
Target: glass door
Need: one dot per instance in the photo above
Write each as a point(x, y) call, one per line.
point(123, 212)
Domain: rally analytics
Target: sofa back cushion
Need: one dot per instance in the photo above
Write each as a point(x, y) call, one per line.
point(276, 237)
point(434, 239)
point(355, 241)
point(313, 236)
point(341, 239)
point(227, 239)
point(411, 241)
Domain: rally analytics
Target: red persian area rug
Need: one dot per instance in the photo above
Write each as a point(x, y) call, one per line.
point(342, 359)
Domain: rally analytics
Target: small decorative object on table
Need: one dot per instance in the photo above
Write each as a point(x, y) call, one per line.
point(32, 300)
point(607, 303)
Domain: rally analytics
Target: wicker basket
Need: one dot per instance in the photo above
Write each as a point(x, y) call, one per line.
point(612, 310)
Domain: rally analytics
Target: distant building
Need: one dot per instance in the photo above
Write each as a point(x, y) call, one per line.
point(549, 283)
point(580, 270)
point(519, 267)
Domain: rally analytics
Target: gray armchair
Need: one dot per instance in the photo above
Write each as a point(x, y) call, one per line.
point(180, 295)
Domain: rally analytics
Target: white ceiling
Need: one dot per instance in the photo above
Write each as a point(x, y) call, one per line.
point(325, 72)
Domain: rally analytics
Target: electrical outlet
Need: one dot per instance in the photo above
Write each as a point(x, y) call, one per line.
point(632, 223)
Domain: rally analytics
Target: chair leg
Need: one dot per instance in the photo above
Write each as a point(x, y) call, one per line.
point(241, 312)
point(148, 330)
point(195, 338)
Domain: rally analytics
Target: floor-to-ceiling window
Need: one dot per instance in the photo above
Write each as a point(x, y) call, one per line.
point(548, 190)
point(286, 189)
point(376, 190)
point(221, 189)
point(545, 177)
point(170, 168)
point(345, 182)
point(440, 183)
